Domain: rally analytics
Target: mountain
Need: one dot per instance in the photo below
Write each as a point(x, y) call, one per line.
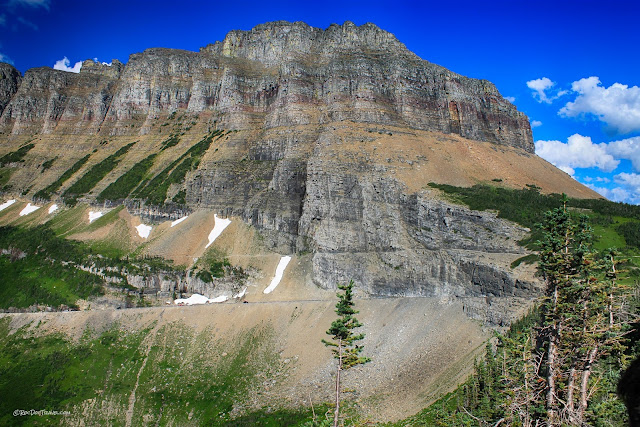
point(316, 144)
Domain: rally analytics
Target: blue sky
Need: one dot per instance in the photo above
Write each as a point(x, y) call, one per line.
point(572, 66)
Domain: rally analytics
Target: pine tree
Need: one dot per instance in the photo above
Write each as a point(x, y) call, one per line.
point(345, 349)
point(580, 324)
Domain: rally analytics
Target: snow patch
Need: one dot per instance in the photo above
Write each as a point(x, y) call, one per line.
point(178, 221)
point(6, 204)
point(144, 230)
point(94, 215)
point(53, 208)
point(218, 228)
point(28, 209)
point(279, 273)
point(199, 299)
point(241, 294)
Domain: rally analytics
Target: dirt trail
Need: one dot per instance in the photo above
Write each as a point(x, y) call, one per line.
point(148, 343)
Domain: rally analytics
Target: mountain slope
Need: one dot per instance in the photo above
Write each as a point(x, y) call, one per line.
point(315, 144)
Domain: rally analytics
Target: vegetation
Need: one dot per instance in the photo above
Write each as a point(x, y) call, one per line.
point(47, 164)
point(170, 142)
point(343, 340)
point(54, 186)
point(5, 175)
point(16, 156)
point(559, 365)
point(155, 191)
point(527, 207)
point(630, 231)
point(120, 188)
point(181, 377)
point(38, 265)
point(94, 175)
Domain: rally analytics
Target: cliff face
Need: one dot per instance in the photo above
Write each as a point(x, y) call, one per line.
point(336, 134)
point(10, 80)
point(278, 74)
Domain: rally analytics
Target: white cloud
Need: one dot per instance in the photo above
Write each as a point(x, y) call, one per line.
point(27, 23)
point(618, 105)
point(626, 149)
point(630, 184)
point(542, 90)
point(32, 3)
point(578, 152)
point(628, 179)
point(64, 65)
point(535, 123)
point(617, 194)
point(5, 58)
point(539, 86)
point(596, 179)
point(511, 99)
point(108, 64)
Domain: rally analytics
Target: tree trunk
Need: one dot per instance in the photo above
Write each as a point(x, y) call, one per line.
point(336, 414)
point(569, 405)
point(584, 384)
point(552, 355)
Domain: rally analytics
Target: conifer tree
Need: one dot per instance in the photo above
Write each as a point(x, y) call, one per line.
point(343, 339)
point(580, 314)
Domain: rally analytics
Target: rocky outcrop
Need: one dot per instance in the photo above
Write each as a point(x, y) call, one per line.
point(49, 101)
point(278, 74)
point(10, 79)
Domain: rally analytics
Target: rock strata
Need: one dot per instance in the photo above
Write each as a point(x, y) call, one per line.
point(277, 74)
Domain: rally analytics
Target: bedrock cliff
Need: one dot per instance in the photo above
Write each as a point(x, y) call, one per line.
point(277, 74)
point(326, 141)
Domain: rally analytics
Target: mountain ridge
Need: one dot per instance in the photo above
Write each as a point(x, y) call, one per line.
point(354, 73)
point(323, 140)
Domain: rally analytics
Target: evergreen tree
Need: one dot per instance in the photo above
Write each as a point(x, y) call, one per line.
point(580, 314)
point(343, 339)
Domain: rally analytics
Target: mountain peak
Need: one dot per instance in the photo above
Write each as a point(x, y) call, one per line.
point(274, 42)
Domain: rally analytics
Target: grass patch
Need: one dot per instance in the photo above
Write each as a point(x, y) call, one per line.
point(94, 175)
point(155, 191)
point(16, 156)
point(172, 141)
point(39, 269)
point(527, 259)
point(120, 188)
point(54, 186)
point(186, 379)
point(51, 372)
point(47, 164)
point(68, 220)
point(5, 175)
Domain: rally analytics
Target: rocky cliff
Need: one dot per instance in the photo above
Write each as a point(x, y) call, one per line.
point(336, 133)
point(278, 74)
point(10, 80)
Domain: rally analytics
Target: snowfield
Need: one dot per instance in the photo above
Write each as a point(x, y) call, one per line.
point(94, 215)
point(178, 221)
point(7, 204)
point(53, 208)
point(199, 299)
point(29, 209)
point(144, 230)
point(221, 224)
point(279, 273)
